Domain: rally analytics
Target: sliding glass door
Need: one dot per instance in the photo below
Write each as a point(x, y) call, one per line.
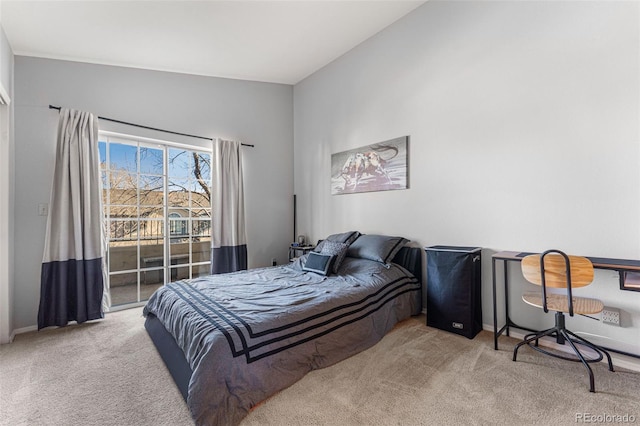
point(157, 206)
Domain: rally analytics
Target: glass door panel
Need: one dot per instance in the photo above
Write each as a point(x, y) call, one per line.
point(124, 288)
point(200, 270)
point(157, 206)
point(179, 273)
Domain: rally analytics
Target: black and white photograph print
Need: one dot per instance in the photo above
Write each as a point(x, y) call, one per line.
point(382, 166)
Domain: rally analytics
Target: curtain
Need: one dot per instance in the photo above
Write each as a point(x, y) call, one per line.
point(229, 249)
point(71, 285)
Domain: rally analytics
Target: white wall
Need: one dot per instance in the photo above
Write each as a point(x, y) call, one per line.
point(6, 191)
point(255, 113)
point(524, 135)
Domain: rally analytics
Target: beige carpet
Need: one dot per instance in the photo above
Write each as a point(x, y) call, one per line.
point(108, 373)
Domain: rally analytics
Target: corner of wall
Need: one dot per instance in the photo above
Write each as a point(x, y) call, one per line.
point(7, 190)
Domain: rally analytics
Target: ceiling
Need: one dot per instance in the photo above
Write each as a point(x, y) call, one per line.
point(270, 41)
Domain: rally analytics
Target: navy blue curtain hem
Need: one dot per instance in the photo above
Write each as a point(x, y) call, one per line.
point(63, 322)
point(70, 291)
point(228, 259)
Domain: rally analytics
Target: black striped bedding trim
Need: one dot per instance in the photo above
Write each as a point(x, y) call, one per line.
point(322, 333)
point(198, 296)
point(303, 320)
point(214, 323)
point(394, 250)
point(190, 290)
point(246, 350)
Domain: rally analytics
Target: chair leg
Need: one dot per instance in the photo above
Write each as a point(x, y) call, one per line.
point(533, 337)
point(560, 326)
point(594, 347)
point(592, 387)
point(562, 335)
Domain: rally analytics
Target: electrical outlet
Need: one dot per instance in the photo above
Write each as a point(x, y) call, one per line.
point(611, 316)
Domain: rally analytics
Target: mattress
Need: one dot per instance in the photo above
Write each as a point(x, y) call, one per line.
point(247, 335)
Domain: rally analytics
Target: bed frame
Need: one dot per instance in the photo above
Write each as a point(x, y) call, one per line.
point(408, 257)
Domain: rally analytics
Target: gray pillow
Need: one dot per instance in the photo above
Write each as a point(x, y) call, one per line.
point(345, 237)
point(338, 250)
point(318, 263)
point(379, 248)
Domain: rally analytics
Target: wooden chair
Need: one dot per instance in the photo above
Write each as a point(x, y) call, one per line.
point(554, 269)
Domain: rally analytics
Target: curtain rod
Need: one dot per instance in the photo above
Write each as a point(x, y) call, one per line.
point(152, 128)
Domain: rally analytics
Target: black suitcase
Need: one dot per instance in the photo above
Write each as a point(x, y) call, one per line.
point(454, 301)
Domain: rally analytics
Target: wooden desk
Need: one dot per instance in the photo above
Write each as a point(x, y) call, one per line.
point(623, 266)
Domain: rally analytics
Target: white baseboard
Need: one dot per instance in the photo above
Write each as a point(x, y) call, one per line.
point(619, 360)
point(21, 331)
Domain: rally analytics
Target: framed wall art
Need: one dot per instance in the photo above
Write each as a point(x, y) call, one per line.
point(382, 166)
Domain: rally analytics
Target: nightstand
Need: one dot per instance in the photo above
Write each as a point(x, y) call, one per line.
point(297, 251)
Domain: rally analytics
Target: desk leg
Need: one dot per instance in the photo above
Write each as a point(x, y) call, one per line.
point(495, 307)
point(507, 323)
point(506, 296)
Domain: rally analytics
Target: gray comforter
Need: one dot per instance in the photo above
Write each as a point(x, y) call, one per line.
point(249, 334)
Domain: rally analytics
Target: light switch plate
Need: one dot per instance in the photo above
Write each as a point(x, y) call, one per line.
point(43, 209)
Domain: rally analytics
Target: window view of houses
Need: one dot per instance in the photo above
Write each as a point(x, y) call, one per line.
point(157, 206)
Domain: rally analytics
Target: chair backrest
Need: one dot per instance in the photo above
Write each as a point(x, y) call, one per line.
point(556, 270)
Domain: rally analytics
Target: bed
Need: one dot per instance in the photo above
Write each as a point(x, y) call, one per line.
point(230, 341)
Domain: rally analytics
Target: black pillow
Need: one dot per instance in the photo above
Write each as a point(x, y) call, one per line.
point(380, 248)
point(318, 263)
point(345, 237)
